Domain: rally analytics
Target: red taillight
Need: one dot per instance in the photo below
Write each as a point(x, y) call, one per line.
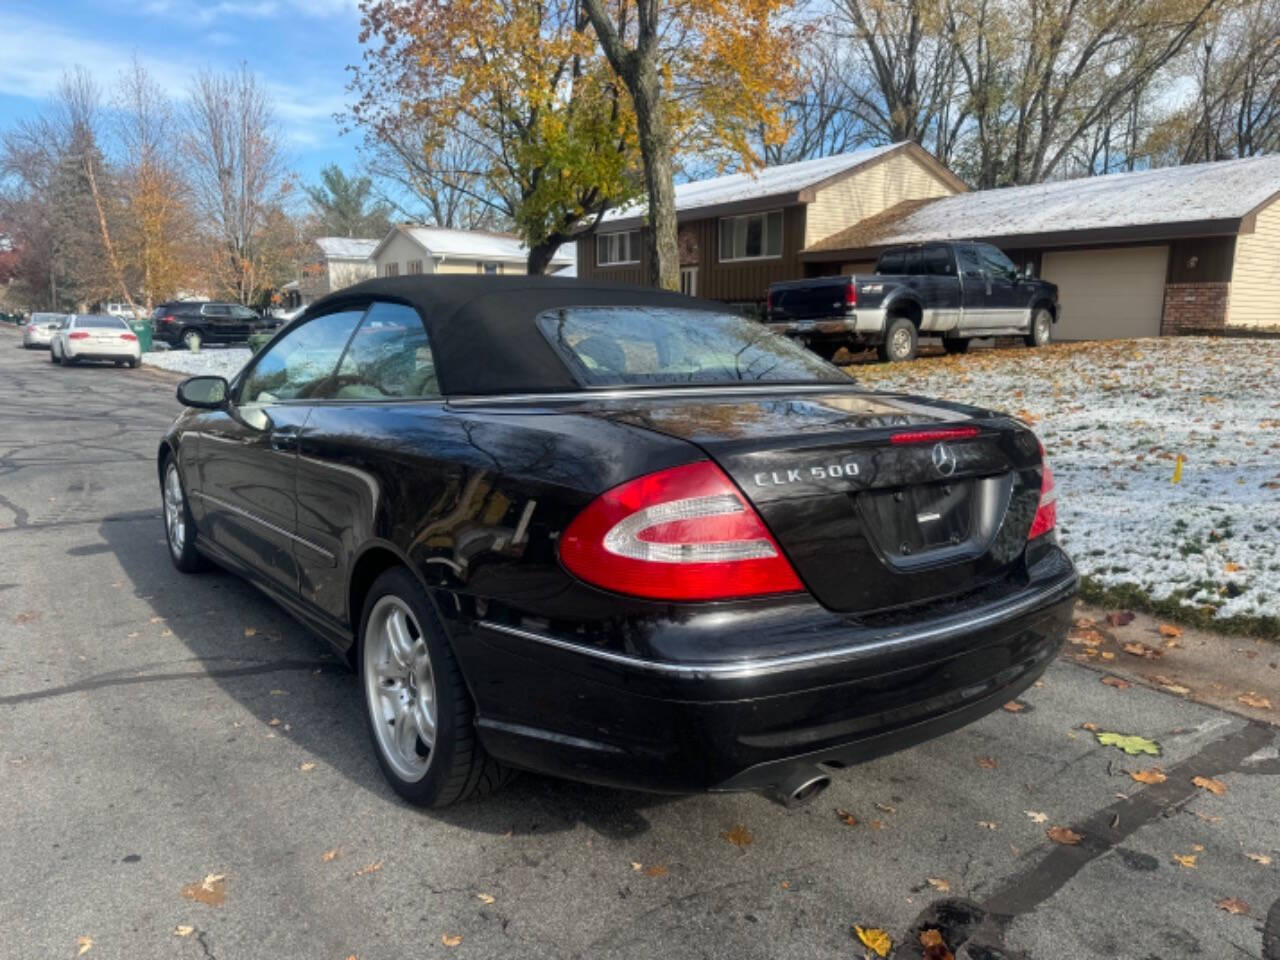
point(851, 295)
point(128, 336)
point(934, 436)
point(768, 301)
point(1047, 513)
point(168, 318)
point(78, 335)
point(685, 533)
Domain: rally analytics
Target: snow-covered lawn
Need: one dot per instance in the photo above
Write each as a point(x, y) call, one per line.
point(223, 361)
point(1114, 417)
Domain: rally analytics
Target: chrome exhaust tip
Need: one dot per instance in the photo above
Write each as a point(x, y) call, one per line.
point(803, 789)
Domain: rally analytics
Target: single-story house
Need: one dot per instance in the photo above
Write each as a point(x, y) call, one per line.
point(333, 263)
point(410, 249)
point(740, 232)
point(1190, 249)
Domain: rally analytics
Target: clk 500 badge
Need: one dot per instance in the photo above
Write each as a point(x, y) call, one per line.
point(833, 471)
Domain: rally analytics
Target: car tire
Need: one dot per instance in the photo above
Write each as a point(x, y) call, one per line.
point(411, 682)
point(955, 344)
point(900, 341)
point(192, 339)
point(53, 356)
point(1041, 331)
point(134, 363)
point(179, 525)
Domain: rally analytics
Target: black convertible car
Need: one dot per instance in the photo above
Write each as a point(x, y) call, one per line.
point(618, 535)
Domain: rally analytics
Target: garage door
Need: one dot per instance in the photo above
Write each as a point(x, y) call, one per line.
point(863, 267)
point(1108, 294)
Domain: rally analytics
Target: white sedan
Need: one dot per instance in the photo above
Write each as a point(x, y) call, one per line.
point(95, 336)
point(39, 329)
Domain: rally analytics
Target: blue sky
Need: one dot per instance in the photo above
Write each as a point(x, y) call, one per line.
point(300, 48)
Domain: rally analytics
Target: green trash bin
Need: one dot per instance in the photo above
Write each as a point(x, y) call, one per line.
point(142, 329)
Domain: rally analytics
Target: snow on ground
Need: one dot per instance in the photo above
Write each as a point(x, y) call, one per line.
point(1113, 417)
point(219, 360)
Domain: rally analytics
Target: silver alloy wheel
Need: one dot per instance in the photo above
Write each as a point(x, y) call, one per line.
point(900, 345)
point(1042, 328)
point(400, 688)
point(175, 514)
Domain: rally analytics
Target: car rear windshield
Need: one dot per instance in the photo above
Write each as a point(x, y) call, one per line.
point(639, 346)
point(111, 323)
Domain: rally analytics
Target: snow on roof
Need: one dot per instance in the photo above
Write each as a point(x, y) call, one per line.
point(346, 248)
point(474, 244)
point(1224, 190)
point(769, 181)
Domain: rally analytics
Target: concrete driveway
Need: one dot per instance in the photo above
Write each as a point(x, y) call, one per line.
point(184, 773)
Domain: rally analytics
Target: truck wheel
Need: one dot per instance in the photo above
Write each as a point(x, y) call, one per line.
point(955, 344)
point(1041, 329)
point(900, 341)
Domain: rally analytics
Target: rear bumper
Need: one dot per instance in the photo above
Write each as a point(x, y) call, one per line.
point(104, 351)
point(546, 704)
point(859, 325)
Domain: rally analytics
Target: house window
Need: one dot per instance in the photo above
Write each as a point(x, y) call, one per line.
point(618, 248)
point(391, 270)
point(755, 236)
point(414, 266)
point(490, 268)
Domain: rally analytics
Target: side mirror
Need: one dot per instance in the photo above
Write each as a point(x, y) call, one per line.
point(204, 393)
point(1029, 270)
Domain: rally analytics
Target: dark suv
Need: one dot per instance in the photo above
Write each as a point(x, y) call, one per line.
point(194, 322)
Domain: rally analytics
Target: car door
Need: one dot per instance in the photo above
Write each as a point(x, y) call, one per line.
point(1006, 296)
point(247, 453)
point(942, 293)
point(385, 390)
point(975, 315)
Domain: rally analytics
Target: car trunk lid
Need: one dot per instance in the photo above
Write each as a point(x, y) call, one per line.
point(878, 500)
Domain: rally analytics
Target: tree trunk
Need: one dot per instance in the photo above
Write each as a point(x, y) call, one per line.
point(655, 151)
point(540, 255)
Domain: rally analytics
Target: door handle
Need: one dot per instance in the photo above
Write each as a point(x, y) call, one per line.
point(284, 439)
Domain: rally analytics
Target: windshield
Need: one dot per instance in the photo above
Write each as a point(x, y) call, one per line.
point(638, 346)
point(100, 320)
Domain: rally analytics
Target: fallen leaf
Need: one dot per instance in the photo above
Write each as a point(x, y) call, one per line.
point(874, 939)
point(1216, 787)
point(939, 884)
point(1013, 706)
point(1251, 699)
point(1087, 638)
point(988, 824)
point(371, 868)
point(847, 818)
point(485, 897)
point(273, 722)
point(1149, 776)
point(451, 939)
point(1169, 630)
point(1207, 817)
point(785, 885)
point(1091, 727)
point(1036, 816)
point(1185, 860)
point(30, 616)
point(885, 808)
point(212, 890)
point(1121, 618)
point(1064, 835)
point(1108, 655)
point(739, 836)
point(306, 767)
point(987, 763)
point(934, 946)
point(330, 855)
point(1232, 905)
point(249, 631)
point(1116, 682)
point(1261, 858)
point(182, 930)
point(1141, 650)
point(1230, 567)
point(637, 866)
point(157, 619)
point(655, 870)
point(83, 945)
point(1132, 745)
point(875, 824)
point(1198, 847)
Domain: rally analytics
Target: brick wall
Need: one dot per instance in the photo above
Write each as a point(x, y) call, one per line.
point(1194, 308)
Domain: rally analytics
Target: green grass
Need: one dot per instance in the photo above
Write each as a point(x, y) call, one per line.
point(1132, 597)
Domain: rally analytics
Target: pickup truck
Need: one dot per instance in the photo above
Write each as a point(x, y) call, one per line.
point(956, 291)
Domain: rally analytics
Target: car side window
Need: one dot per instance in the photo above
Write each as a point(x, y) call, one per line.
point(389, 357)
point(300, 364)
point(891, 262)
point(938, 261)
point(969, 261)
point(996, 263)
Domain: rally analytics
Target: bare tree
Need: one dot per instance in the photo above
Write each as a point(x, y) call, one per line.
point(236, 170)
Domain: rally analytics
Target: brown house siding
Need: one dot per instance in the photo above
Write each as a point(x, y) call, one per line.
point(741, 282)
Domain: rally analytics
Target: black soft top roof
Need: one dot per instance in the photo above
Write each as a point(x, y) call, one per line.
point(482, 328)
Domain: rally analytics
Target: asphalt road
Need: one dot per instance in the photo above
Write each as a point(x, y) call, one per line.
point(159, 729)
